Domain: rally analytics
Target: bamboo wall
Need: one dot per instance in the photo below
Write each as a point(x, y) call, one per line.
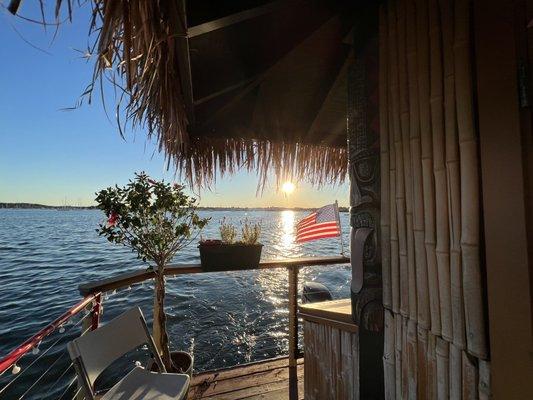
point(433, 291)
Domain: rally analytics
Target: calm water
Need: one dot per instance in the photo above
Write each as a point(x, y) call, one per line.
point(224, 318)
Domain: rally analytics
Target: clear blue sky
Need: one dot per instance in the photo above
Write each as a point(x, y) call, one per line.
point(47, 155)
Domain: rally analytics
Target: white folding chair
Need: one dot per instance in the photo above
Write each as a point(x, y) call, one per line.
point(93, 352)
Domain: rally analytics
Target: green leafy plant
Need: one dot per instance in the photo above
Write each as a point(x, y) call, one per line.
point(155, 220)
point(250, 232)
point(228, 232)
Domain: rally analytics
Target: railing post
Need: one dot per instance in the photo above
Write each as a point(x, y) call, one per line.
point(293, 332)
point(97, 310)
point(94, 308)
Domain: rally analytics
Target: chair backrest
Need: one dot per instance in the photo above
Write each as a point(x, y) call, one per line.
point(96, 350)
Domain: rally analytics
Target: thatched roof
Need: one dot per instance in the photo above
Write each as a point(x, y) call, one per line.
point(227, 85)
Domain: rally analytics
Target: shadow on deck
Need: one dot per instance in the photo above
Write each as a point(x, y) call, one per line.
point(262, 380)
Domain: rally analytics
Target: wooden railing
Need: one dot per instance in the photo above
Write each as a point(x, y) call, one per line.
point(291, 264)
point(131, 278)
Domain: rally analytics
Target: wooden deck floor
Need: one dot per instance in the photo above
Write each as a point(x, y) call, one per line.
point(267, 380)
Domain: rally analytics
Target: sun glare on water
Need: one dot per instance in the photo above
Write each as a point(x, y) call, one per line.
point(287, 229)
point(288, 187)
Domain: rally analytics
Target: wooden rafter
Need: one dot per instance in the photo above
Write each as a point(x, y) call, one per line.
point(236, 18)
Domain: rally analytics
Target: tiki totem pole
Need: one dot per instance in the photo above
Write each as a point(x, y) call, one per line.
point(363, 146)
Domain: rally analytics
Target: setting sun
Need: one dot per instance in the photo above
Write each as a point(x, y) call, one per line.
point(288, 187)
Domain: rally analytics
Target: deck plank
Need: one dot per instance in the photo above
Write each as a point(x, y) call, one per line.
point(280, 394)
point(264, 380)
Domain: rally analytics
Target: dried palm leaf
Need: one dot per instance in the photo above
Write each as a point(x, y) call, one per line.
point(141, 49)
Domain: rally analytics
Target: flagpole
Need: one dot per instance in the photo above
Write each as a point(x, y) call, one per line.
point(340, 227)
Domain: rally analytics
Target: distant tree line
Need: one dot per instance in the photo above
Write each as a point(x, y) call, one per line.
point(43, 206)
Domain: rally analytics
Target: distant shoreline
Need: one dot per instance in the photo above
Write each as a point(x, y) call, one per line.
point(29, 206)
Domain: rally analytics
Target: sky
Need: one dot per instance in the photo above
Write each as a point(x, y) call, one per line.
point(52, 156)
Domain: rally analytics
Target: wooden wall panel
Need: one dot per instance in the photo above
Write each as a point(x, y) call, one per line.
point(331, 365)
point(505, 203)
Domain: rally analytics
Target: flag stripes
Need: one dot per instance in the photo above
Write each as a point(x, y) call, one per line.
point(323, 223)
point(306, 221)
point(314, 237)
point(317, 227)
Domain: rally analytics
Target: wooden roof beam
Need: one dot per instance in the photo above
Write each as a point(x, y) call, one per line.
point(184, 60)
point(232, 19)
point(225, 90)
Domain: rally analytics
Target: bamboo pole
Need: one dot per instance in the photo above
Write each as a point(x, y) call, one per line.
point(406, 154)
point(469, 159)
point(453, 175)
point(392, 75)
point(400, 182)
point(455, 372)
point(405, 360)
point(484, 380)
point(439, 170)
point(443, 370)
point(398, 354)
point(422, 363)
point(384, 159)
point(412, 356)
point(427, 161)
point(422, 295)
point(389, 356)
point(470, 377)
point(432, 367)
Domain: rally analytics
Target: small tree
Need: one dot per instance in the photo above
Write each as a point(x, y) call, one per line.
point(155, 220)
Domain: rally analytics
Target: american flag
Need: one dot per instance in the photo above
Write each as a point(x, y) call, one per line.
point(323, 223)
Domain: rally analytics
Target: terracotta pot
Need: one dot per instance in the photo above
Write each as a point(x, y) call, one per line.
point(182, 362)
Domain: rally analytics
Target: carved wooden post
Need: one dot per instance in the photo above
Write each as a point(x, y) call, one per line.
point(363, 146)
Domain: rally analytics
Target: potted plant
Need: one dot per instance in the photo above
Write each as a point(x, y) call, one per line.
point(229, 254)
point(155, 220)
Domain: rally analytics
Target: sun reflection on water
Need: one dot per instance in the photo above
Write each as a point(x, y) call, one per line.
point(287, 238)
point(273, 282)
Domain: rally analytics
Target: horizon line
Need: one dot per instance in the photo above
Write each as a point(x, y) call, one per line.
point(24, 205)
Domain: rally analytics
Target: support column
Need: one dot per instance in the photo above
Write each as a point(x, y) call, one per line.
point(364, 171)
